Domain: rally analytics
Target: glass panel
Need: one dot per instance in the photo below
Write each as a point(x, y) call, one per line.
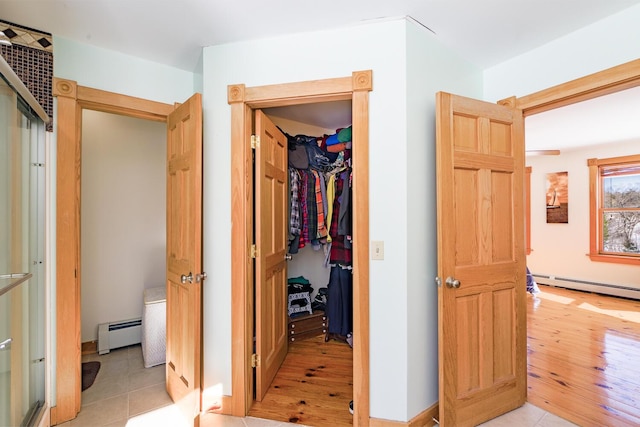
point(22, 308)
point(622, 191)
point(621, 232)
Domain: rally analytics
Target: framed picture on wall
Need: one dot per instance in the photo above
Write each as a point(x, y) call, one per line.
point(557, 197)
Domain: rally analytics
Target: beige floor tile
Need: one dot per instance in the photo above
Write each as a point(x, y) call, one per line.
point(106, 386)
point(113, 366)
point(145, 377)
point(148, 399)
point(120, 423)
point(551, 420)
point(104, 412)
point(525, 416)
point(217, 420)
point(134, 352)
point(166, 416)
point(136, 363)
point(259, 422)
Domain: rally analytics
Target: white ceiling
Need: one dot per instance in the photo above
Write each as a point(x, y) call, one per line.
point(173, 32)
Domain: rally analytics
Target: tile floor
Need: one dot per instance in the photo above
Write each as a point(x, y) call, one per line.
point(126, 394)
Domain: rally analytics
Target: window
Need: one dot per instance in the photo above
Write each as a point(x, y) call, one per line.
point(614, 193)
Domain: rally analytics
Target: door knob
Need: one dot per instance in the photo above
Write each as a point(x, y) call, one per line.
point(200, 277)
point(186, 279)
point(288, 257)
point(452, 283)
point(4, 345)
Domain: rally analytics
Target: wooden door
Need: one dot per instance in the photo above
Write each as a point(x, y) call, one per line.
point(184, 255)
point(481, 260)
point(271, 197)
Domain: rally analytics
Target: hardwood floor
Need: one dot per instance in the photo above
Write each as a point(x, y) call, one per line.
point(313, 387)
point(583, 353)
point(583, 366)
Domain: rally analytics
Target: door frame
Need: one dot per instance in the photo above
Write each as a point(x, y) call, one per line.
point(605, 82)
point(243, 100)
point(71, 100)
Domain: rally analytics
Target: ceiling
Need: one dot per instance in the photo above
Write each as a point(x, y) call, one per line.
point(173, 32)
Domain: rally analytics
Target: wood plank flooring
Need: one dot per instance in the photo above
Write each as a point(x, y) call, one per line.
point(583, 365)
point(313, 387)
point(583, 357)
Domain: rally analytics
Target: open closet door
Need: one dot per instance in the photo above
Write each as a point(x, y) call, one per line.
point(184, 256)
point(481, 260)
point(271, 197)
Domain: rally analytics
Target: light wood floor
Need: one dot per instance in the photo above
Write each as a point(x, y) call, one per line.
point(313, 387)
point(583, 366)
point(584, 357)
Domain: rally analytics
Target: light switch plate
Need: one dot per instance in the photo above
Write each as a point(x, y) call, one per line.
point(377, 249)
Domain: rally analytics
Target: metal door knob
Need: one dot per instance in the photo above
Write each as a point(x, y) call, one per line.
point(288, 257)
point(5, 345)
point(452, 283)
point(186, 279)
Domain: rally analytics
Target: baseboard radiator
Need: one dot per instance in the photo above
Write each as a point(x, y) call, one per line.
point(119, 334)
point(585, 285)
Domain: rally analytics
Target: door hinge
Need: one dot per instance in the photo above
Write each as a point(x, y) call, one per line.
point(255, 141)
point(254, 251)
point(255, 360)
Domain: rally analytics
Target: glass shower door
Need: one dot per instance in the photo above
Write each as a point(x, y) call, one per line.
point(22, 307)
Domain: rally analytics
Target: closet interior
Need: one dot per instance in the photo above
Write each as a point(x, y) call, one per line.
point(318, 227)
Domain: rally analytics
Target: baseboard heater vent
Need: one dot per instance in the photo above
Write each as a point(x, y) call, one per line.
point(588, 286)
point(119, 334)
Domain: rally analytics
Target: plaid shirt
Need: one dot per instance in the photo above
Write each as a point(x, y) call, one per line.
point(294, 211)
point(340, 253)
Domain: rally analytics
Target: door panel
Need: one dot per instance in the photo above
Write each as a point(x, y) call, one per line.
point(482, 312)
point(184, 255)
point(271, 267)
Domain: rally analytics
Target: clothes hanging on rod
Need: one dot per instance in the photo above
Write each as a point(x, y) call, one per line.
point(320, 216)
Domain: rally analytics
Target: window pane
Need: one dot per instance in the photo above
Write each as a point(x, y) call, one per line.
point(621, 191)
point(621, 232)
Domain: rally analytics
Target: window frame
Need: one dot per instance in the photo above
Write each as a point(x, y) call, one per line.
point(595, 210)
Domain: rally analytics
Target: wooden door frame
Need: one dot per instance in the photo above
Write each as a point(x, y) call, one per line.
point(242, 101)
point(71, 100)
point(611, 80)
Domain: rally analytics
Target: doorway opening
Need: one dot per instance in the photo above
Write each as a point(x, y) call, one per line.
point(311, 378)
point(243, 102)
point(72, 100)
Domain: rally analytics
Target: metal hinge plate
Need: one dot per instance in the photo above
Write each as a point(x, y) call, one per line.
point(255, 141)
point(253, 252)
point(255, 360)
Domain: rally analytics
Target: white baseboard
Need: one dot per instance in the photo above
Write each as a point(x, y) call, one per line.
point(583, 285)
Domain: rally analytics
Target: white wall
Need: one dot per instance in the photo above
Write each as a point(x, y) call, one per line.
point(123, 210)
point(430, 68)
point(607, 43)
point(561, 249)
point(381, 47)
point(116, 72)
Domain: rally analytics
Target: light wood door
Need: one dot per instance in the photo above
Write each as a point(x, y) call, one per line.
point(184, 255)
point(482, 311)
point(271, 198)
